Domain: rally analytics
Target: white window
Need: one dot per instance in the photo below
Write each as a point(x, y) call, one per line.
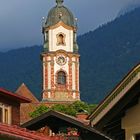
point(5, 114)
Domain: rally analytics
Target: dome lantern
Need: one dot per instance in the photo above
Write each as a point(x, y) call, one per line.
point(59, 2)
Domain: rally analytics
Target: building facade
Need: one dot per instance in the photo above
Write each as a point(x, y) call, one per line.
point(60, 58)
point(10, 107)
point(118, 115)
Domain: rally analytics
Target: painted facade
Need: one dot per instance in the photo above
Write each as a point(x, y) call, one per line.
point(60, 58)
point(10, 107)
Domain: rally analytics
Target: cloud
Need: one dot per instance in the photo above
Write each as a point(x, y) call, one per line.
point(21, 19)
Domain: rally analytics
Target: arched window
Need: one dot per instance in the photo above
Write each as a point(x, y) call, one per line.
point(61, 78)
point(60, 39)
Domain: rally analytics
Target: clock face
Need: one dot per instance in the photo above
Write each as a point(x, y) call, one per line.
point(61, 60)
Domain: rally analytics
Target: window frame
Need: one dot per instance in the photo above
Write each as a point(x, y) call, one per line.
point(63, 39)
point(6, 114)
point(61, 79)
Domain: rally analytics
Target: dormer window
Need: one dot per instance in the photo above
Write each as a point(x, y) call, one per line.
point(5, 114)
point(61, 39)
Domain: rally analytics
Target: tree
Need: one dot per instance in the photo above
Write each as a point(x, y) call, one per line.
point(38, 111)
point(80, 106)
point(66, 109)
point(70, 109)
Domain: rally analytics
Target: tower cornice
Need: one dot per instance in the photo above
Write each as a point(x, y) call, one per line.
point(60, 23)
point(60, 52)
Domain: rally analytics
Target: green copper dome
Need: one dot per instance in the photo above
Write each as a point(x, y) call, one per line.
point(60, 13)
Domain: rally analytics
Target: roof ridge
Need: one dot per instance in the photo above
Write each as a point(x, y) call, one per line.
point(28, 91)
point(21, 132)
point(9, 93)
point(133, 73)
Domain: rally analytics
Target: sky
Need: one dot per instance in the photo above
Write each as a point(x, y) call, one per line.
point(21, 20)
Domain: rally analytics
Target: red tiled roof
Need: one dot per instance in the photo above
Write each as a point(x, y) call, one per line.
point(26, 108)
point(24, 91)
point(23, 133)
point(14, 96)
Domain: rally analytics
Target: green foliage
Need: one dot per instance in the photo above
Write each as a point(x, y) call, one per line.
point(92, 107)
point(70, 109)
point(81, 106)
point(67, 109)
point(39, 110)
point(59, 107)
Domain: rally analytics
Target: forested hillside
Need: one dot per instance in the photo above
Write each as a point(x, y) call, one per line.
point(107, 54)
point(21, 66)
point(128, 8)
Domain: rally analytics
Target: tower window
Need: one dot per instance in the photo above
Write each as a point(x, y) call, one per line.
point(60, 39)
point(61, 78)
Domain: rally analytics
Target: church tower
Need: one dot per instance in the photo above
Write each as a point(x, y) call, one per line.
point(60, 58)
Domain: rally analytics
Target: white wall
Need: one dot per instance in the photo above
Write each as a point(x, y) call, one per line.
point(53, 39)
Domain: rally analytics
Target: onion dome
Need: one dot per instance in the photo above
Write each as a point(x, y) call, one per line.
point(60, 13)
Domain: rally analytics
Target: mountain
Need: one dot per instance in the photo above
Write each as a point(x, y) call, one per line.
point(130, 7)
point(21, 66)
point(107, 54)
